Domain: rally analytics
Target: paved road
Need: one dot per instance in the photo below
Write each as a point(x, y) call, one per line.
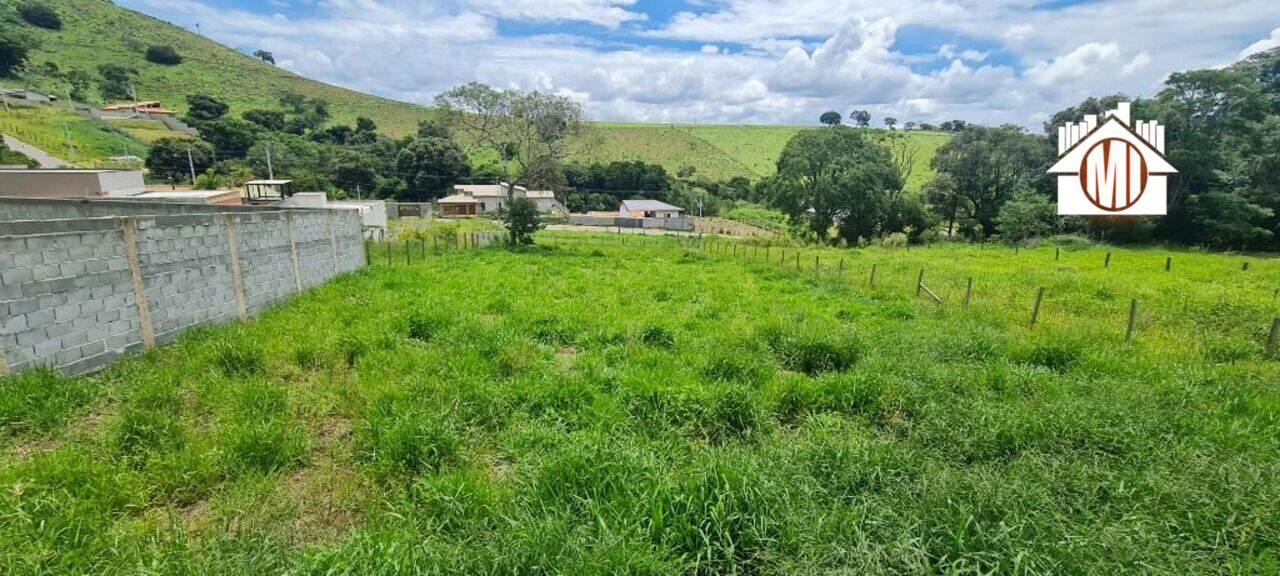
point(45, 159)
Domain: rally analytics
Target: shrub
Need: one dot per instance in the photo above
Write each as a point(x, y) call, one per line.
point(163, 54)
point(40, 14)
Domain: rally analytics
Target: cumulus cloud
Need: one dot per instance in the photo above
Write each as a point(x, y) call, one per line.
point(1262, 45)
point(750, 60)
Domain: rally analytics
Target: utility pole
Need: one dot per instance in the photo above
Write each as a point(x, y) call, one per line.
point(271, 174)
point(5, 96)
point(192, 165)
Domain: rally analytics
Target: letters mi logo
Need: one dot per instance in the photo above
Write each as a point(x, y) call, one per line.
point(1112, 168)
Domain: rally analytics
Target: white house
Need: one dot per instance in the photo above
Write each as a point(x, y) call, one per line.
point(648, 209)
point(490, 198)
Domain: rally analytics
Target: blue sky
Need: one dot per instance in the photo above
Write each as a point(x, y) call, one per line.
point(748, 61)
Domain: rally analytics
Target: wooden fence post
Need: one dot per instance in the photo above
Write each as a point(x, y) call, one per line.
point(1057, 253)
point(872, 283)
point(1245, 267)
point(1133, 320)
point(968, 292)
point(920, 282)
point(1168, 263)
point(1035, 312)
point(1107, 262)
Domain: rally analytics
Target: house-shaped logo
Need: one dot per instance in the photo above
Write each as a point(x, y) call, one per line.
point(1112, 168)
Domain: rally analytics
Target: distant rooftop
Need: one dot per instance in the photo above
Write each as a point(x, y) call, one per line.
point(649, 206)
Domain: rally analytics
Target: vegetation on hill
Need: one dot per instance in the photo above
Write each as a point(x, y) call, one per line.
point(97, 32)
point(600, 408)
point(48, 129)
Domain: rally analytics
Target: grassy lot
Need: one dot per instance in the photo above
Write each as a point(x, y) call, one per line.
point(145, 130)
point(47, 128)
point(590, 407)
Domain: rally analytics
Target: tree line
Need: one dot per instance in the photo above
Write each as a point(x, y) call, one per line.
point(1222, 134)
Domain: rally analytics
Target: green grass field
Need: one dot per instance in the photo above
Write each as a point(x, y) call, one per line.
point(47, 129)
point(593, 407)
point(145, 130)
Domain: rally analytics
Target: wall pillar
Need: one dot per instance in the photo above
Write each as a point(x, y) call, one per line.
point(233, 248)
point(129, 227)
point(293, 251)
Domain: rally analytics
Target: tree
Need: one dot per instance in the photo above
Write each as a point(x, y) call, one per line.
point(861, 118)
point(40, 14)
point(337, 134)
point(117, 81)
point(205, 108)
point(1227, 220)
point(909, 126)
point(830, 118)
point(834, 178)
point(902, 155)
point(265, 56)
point(80, 82)
point(168, 158)
point(985, 167)
point(294, 102)
point(163, 54)
point(271, 120)
point(523, 221)
point(431, 166)
point(14, 46)
point(433, 129)
point(1027, 215)
point(1091, 105)
point(230, 138)
point(890, 121)
point(527, 128)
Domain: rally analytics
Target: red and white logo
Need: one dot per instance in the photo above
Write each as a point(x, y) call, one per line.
point(1112, 169)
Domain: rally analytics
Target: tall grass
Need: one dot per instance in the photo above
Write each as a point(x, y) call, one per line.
point(591, 407)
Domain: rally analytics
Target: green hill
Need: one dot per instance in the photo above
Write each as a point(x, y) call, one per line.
point(96, 32)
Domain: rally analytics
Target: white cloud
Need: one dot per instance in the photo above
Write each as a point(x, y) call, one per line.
point(1085, 60)
point(753, 60)
point(608, 13)
point(1263, 45)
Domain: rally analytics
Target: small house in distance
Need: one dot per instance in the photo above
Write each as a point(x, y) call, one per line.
point(145, 109)
point(648, 209)
point(459, 206)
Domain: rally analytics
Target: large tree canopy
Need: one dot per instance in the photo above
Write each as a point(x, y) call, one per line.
point(834, 178)
point(983, 167)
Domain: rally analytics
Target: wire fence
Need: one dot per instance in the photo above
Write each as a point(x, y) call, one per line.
point(1049, 285)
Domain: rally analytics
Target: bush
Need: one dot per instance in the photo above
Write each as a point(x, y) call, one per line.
point(163, 54)
point(40, 14)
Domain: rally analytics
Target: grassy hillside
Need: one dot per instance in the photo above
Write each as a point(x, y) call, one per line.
point(47, 129)
point(96, 32)
point(514, 412)
point(722, 151)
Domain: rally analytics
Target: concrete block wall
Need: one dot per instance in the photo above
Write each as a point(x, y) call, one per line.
point(80, 293)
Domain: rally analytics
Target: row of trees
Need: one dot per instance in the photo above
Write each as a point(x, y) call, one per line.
point(1222, 133)
point(862, 119)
